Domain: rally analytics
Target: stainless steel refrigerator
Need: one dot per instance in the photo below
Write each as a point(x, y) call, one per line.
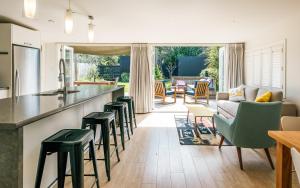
point(26, 70)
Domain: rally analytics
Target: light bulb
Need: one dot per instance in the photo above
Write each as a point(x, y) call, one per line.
point(68, 21)
point(91, 33)
point(29, 8)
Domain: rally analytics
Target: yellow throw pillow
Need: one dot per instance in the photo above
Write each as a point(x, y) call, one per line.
point(266, 97)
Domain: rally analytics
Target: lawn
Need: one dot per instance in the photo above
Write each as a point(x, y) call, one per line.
point(126, 84)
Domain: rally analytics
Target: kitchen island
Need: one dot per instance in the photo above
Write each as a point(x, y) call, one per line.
point(27, 120)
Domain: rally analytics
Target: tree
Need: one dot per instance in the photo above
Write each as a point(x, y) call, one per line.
point(97, 60)
point(171, 66)
point(109, 60)
point(93, 73)
point(86, 58)
point(212, 62)
point(169, 55)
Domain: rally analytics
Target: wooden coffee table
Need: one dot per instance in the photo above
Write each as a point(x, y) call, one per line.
point(201, 111)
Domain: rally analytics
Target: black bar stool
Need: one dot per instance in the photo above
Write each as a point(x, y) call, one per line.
point(63, 142)
point(107, 121)
point(121, 110)
point(131, 109)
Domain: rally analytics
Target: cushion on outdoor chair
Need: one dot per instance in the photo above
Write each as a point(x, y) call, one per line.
point(170, 92)
point(195, 83)
point(201, 80)
point(180, 83)
point(190, 92)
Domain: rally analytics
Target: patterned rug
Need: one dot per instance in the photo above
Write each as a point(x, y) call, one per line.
point(187, 135)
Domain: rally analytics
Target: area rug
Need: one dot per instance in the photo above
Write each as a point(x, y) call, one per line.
point(187, 135)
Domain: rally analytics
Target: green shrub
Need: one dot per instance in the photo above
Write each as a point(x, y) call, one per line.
point(158, 73)
point(212, 73)
point(125, 77)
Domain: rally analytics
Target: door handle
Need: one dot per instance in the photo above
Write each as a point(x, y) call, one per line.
point(16, 82)
point(19, 85)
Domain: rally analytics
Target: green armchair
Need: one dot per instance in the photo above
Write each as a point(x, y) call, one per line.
point(250, 126)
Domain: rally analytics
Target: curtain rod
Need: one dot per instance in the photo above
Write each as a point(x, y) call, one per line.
point(161, 44)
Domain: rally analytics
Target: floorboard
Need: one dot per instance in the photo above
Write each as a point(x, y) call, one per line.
point(154, 159)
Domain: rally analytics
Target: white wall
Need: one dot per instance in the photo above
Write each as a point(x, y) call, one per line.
point(290, 31)
point(49, 66)
point(155, 21)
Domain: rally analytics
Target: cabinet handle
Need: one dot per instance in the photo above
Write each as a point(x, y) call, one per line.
point(26, 43)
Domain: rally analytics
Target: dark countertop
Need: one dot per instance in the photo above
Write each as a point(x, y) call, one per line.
point(4, 88)
point(15, 113)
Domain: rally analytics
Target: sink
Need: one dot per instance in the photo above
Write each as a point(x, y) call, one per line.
point(56, 92)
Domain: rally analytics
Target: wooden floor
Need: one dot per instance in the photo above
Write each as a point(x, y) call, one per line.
point(154, 159)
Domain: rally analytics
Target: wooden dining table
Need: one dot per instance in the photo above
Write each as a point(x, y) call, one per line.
point(285, 141)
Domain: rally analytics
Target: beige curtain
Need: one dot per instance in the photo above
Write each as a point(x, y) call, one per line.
point(141, 78)
point(233, 66)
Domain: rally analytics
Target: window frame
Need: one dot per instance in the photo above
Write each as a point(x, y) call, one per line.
point(251, 74)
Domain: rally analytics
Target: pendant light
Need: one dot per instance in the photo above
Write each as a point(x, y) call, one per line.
point(91, 32)
point(69, 20)
point(29, 8)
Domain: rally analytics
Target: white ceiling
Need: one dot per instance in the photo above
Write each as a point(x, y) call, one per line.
point(157, 21)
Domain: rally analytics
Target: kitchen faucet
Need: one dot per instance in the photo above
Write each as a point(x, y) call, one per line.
point(62, 75)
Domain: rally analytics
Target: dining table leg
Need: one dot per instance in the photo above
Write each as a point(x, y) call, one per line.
point(283, 166)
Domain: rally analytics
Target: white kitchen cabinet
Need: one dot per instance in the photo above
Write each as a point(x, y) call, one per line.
point(3, 93)
point(26, 37)
point(11, 34)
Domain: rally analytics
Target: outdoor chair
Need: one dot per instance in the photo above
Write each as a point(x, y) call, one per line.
point(249, 129)
point(161, 91)
point(201, 90)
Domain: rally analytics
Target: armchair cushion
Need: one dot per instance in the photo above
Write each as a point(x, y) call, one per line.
point(224, 126)
point(228, 106)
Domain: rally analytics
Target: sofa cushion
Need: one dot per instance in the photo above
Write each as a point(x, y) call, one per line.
point(266, 97)
point(237, 94)
point(277, 95)
point(250, 93)
point(229, 106)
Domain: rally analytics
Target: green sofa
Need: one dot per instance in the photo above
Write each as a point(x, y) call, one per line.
point(250, 126)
